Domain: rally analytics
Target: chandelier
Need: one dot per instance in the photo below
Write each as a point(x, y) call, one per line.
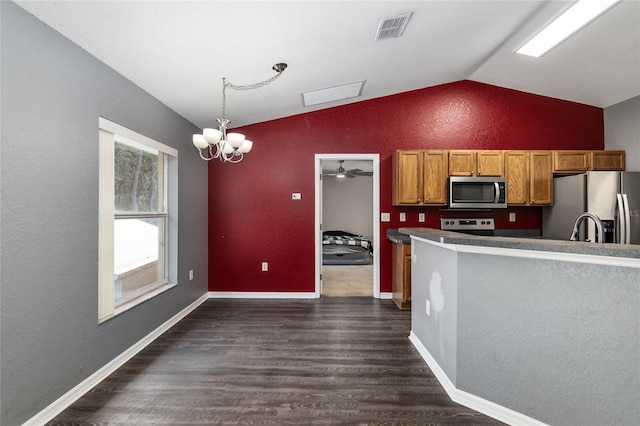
point(228, 147)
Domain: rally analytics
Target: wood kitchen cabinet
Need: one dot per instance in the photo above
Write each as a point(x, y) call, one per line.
point(529, 178)
point(571, 161)
point(420, 178)
point(401, 281)
point(608, 160)
point(476, 163)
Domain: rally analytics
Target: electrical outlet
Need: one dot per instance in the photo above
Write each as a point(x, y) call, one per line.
point(403, 217)
point(421, 217)
point(385, 217)
point(190, 274)
point(265, 266)
point(512, 217)
point(428, 308)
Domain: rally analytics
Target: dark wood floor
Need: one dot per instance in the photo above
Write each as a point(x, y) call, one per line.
point(340, 361)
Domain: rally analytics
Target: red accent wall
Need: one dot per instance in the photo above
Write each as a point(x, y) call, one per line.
point(253, 219)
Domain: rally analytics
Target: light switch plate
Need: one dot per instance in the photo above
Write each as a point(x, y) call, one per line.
point(296, 196)
point(385, 217)
point(403, 217)
point(421, 217)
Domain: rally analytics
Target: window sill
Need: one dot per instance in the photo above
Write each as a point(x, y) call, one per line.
point(138, 300)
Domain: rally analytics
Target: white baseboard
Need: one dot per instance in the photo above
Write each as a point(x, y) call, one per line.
point(476, 403)
point(59, 405)
point(272, 295)
point(261, 295)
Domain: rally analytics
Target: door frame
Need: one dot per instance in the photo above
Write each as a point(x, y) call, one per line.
point(375, 158)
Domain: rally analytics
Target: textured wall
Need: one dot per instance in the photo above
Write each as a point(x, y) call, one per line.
point(52, 95)
point(347, 205)
point(251, 215)
point(434, 277)
point(622, 130)
point(556, 341)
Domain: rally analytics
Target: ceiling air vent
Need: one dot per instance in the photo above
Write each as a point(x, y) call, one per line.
point(393, 26)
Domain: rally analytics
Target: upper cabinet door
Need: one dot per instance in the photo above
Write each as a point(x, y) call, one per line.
point(490, 163)
point(407, 177)
point(541, 183)
point(436, 172)
point(571, 161)
point(517, 173)
point(462, 163)
point(608, 160)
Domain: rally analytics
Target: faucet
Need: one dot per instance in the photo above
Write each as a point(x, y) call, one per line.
point(596, 220)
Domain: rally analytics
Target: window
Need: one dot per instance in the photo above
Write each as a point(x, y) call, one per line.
point(138, 224)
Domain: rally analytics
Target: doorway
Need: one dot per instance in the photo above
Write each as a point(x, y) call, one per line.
point(365, 223)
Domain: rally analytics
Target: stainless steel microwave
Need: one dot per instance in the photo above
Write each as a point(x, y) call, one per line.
point(477, 192)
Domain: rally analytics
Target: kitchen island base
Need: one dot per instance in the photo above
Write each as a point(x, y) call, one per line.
point(529, 336)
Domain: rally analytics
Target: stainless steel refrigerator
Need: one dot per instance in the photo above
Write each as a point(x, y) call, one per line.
point(613, 196)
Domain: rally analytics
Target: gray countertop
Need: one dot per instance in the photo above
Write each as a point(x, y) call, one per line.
point(535, 244)
point(396, 237)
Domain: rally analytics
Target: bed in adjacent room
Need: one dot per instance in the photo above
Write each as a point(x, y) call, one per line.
point(345, 248)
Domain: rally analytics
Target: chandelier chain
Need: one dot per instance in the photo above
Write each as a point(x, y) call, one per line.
point(230, 85)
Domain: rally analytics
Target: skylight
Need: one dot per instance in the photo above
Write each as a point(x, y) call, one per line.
point(574, 18)
point(332, 94)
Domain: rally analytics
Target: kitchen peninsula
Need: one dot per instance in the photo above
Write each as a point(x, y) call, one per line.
point(529, 331)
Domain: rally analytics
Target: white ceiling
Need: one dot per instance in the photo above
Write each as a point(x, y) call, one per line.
point(179, 51)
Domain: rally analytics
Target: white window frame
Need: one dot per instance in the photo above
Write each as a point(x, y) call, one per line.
point(109, 132)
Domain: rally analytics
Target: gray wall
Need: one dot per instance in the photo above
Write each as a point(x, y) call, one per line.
point(556, 341)
point(434, 277)
point(622, 130)
point(52, 95)
point(347, 205)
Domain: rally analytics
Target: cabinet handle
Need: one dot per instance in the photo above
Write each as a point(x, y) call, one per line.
point(479, 172)
point(533, 201)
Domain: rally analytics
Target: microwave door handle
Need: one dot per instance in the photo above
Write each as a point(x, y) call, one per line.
point(497, 192)
point(622, 221)
point(627, 219)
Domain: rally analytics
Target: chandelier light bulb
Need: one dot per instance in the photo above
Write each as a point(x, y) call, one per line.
point(235, 140)
point(227, 149)
point(212, 136)
point(200, 142)
point(245, 147)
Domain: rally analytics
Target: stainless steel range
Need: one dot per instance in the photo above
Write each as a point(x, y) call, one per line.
point(475, 226)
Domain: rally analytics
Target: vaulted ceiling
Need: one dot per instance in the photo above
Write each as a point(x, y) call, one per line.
point(179, 51)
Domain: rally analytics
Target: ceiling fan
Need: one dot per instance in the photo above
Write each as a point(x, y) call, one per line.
point(341, 172)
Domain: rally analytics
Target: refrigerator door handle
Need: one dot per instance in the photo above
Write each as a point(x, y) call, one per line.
point(621, 219)
point(627, 219)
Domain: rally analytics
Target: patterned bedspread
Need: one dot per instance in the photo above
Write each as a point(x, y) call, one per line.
point(341, 238)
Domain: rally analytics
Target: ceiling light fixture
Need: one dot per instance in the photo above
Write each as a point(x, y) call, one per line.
point(574, 18)
point(229, 147)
